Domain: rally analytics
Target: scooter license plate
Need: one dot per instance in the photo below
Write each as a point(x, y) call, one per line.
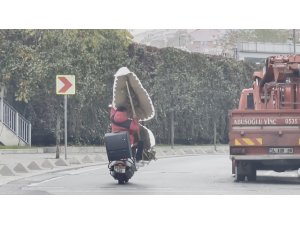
point(119, 169)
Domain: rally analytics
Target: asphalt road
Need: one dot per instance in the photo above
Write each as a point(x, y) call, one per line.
point(189, 175)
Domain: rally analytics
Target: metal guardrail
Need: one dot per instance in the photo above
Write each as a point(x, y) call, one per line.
point(15, 122)
point(266, 47)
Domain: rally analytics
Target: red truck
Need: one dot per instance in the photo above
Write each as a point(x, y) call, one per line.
point(264, 132)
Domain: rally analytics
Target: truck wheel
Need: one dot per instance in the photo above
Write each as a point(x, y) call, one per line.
point(239, 177)
point(252, 175)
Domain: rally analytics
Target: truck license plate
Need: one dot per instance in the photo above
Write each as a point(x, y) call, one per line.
point(281, 150)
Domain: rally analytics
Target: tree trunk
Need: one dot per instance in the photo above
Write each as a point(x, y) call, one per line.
point(215, 136)
point(58, 131)
point(172, 129)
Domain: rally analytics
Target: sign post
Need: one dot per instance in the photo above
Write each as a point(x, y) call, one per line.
point(65, 85)
point(66, 129)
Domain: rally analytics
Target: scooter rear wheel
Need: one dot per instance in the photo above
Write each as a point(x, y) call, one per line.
point(122, 181)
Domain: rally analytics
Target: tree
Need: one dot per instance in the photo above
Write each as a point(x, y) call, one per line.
point(191, 92)
point(32, 59)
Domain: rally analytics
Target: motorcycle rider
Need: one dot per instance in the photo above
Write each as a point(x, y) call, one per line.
point(121, 122)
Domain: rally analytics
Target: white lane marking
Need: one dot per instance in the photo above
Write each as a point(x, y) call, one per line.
point(73, 172)
point(45, 181)
point(112, 191)
point(44, 188)
point(100, 189)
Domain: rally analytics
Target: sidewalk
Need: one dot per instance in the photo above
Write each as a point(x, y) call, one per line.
point(20, 163)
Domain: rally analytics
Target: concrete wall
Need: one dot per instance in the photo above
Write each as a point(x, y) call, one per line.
point(262, 50)
point(77, 149)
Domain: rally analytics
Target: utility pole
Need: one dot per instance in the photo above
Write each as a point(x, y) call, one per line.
point(172, 128)
point(235, 52)
point(215, 136)
point(294, 40)
point(57, 136)
point(66, 123)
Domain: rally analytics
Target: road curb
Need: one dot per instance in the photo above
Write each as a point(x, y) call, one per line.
point(74, 160)
point(6, 171)
point(16, 177)
point(47, 164)
point(99, 158)
point(61, 162)
point(20, 168)
point(34, 166)
point(87, 161)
